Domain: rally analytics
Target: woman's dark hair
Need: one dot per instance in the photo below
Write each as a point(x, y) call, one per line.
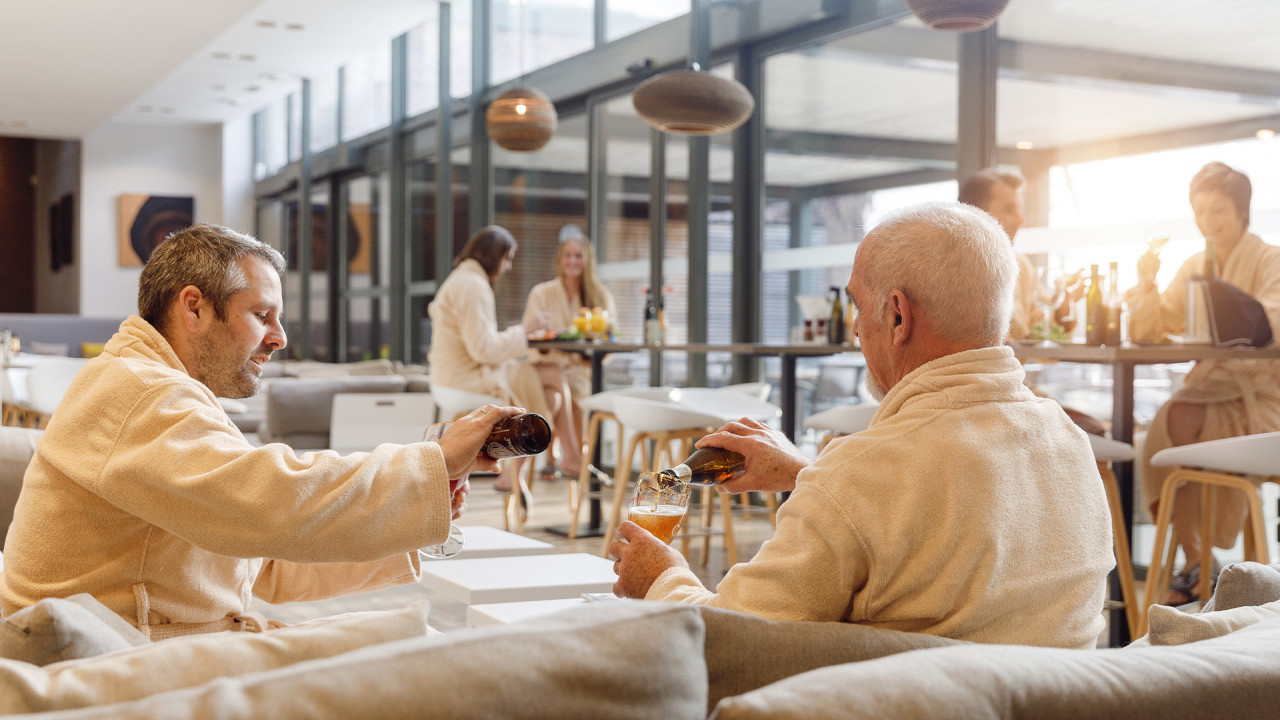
point(487, 246)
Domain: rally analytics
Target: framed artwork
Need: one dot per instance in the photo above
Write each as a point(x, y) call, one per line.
point(146, 220)
point(360, 228)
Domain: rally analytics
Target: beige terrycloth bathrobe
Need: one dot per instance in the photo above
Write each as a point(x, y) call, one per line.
point(1241, 397)
point(467, 350)
point(969, 509)
point(550, 297)
point(144, 494)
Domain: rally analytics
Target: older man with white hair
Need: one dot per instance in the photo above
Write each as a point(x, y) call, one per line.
point(970, 508)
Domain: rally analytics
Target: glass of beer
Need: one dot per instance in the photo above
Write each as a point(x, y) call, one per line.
point(659, 505)
point(453, 544)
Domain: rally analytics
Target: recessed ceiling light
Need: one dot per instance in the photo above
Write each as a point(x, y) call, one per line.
point(219, 87)
point(246, 57)
point(266, 23)
point(252, 88)
point(145, 108)
point(18, 123)
point(294, 26)
point(1024, 145)
point(1265, 134)
point(234, 102)
point(222, 56)
point(166, 111)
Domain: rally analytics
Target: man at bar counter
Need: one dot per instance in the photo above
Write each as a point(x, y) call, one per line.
point(143, 493)
point(970, 508)
point(1219, 398)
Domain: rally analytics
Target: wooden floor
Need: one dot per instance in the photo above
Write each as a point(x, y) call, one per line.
point(550, 508)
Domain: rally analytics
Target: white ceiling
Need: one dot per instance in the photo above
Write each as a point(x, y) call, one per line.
point(71, 65)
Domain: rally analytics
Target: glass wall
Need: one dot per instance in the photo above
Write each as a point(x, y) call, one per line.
point(366, 102)
point(529, 34)
point(324, 111)
point(624, 17)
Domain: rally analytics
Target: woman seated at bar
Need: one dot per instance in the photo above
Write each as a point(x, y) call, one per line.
point(1220, 398)
point(566, 377)
point(468, 352)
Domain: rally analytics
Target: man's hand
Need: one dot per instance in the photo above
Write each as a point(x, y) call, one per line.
point(772, 460)
point(461, 444)
point(1148, 266)
point(641, 559)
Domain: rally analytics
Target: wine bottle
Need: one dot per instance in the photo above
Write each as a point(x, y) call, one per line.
point(1113, 303)
point(1095, 314)
point(706, 466)
point(835, 326)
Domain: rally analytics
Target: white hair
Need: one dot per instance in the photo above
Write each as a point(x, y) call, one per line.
point(954, 264)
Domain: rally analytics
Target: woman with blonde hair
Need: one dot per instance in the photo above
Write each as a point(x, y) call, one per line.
point(566, 378)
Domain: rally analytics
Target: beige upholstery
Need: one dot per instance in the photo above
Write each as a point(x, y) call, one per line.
point(17, 445)
point(299, 409)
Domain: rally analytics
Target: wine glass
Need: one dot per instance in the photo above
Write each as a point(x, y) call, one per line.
point(1050, 289)
point(453, 544)
point(659, 505)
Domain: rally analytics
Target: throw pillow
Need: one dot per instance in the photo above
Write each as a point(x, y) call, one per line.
point(1245, 583)
point(1168, 626)
point(1234, 676)
point(194, 660)
point(745, 652)
point(600, 660)
point(57, 629)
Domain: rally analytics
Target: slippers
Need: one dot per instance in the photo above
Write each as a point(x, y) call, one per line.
point(1186, 582)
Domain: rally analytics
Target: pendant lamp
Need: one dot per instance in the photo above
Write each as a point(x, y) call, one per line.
point(522, 119)
point(690, 101)
point(957, 15)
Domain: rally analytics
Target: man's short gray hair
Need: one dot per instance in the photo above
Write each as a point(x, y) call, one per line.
point(203, 255)
point(954, 264)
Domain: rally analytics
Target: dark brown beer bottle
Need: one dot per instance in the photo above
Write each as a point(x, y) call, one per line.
point(517, 436)
point(707, 466)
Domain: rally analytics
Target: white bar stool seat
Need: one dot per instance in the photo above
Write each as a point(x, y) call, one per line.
point(1239, 463)
point(841, 420)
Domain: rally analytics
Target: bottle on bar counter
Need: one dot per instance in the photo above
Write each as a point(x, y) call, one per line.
point(652, 324)
point(706, 466)
point(1114, 302)
point(835, 326)
point(1095, 311)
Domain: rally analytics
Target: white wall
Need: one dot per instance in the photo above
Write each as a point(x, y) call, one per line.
point(121, 158)
point(237, 175)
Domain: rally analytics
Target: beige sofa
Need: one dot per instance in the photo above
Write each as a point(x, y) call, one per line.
point(630, 659)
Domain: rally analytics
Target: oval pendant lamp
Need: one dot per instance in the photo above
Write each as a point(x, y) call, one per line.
point(692, 102)
point(958, 15)
point(522, 119)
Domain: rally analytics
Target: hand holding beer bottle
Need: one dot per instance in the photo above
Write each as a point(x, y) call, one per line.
point(767, 462)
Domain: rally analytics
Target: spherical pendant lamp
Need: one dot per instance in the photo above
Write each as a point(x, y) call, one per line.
point(958, 15)
point(521, 120)
point(692, 102)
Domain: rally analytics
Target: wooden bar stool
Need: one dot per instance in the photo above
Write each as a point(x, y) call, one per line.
point(1105, 452)
point(664, 423)
point(1239, 463)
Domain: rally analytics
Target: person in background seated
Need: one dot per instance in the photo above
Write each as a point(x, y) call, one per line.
point(970, 508)
point(468, 352)
point(1220, 398)
point(566, 377)
point(144, 494)
point(999, 192)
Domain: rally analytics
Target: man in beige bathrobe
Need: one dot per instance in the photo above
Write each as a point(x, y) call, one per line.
point(144, 494)
point(970, 508)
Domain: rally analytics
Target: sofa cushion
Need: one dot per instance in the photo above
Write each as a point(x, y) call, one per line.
point(57, 629)
point(17, 445)
point(1245, 583)
point(298, 410)
point(1169, 626)
point(1234, 676)
point(738, 643)
point(193, 660)
point(602, 660)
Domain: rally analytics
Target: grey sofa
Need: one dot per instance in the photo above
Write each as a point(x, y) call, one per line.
point(17, 445)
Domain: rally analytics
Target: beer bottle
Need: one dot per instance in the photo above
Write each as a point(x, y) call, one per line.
point(1095, 313)
point(835, 326)
point(517, 436)
point(1210, 258)
point(706, 466)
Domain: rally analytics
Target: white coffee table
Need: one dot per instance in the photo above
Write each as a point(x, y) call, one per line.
point(482, 541)
point(519, 578)
point(504, 613)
